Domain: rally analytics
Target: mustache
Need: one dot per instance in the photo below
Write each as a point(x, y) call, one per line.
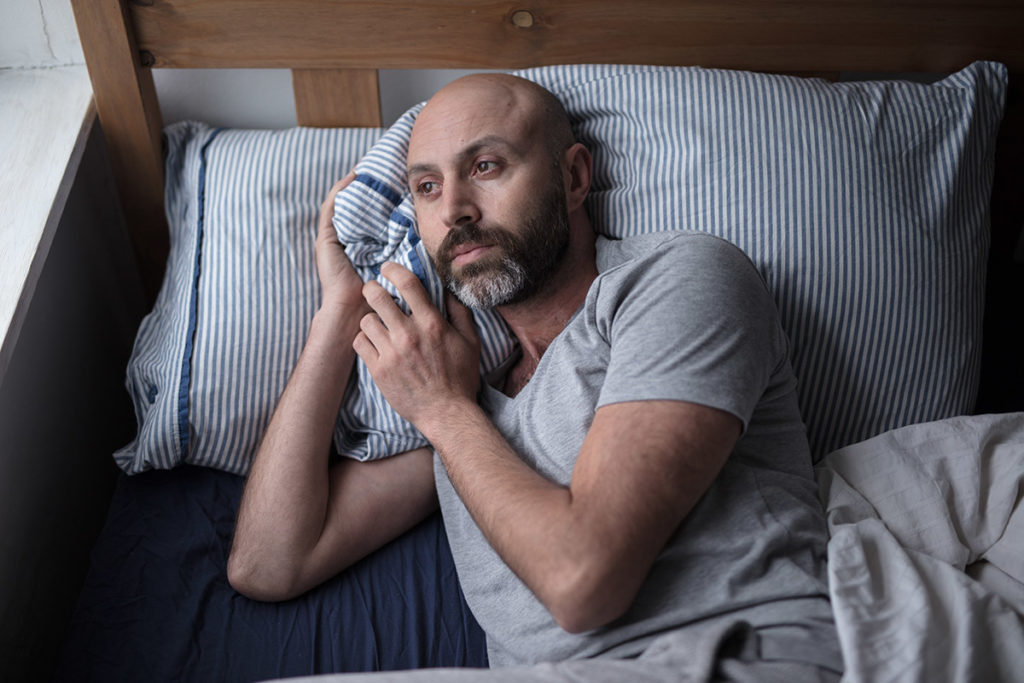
point(471, 233)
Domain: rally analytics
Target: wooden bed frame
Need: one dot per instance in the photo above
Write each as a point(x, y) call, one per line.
point(334, 47)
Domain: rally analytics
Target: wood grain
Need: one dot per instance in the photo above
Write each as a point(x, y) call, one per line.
point(826, 35)
point(129, 115)
point(337, 97)
point(332, 46)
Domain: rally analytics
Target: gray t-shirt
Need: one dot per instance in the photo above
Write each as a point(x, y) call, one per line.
point(680, 316)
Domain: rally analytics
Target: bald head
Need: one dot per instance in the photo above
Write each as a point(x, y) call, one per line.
point(530, 105)
point(498, 184)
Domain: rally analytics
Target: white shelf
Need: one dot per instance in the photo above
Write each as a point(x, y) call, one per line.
point(45, 118)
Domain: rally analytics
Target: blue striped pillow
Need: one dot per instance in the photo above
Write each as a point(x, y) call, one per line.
point(240, 289)
point(864, 205)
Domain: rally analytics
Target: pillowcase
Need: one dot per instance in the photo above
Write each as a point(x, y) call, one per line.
point(240, 289)
point(863, 204)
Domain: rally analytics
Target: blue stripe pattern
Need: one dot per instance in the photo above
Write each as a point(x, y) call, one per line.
point(184, 432)
point(863, 204)
point(239, 291)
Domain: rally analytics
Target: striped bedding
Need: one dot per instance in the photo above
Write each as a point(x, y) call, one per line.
point(864, 205)
point(240, 289)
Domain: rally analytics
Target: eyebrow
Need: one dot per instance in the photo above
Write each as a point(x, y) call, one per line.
point(468, 151)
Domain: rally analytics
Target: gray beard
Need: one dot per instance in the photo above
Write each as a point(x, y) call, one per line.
point(528, 258)
point(489, 290)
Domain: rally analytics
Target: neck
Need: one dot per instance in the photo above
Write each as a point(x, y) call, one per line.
point(538, 320)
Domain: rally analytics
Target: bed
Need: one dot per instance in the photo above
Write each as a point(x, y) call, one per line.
point(884, 212)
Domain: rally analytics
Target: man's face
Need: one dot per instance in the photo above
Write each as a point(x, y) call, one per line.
point(489, 195)
point(522, 259)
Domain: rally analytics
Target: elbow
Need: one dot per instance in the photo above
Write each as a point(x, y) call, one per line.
point(577, 621)
point(253, 580)
point(584, 601)
point(241, 579)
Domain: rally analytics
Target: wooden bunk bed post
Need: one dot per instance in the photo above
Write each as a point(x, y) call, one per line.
point(334, 49)
point(129, 115)
point(327, 98)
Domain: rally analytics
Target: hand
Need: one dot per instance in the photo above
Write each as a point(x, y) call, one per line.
point(340, 284)
point(424, 365)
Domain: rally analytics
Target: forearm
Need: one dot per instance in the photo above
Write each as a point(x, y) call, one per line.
point(584, 550)
point(286, 496)
point(548, 537)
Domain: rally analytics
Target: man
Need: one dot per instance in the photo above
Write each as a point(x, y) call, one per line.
point(634, 486)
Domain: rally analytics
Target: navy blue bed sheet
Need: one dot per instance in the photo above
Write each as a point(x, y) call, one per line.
point(156, 605)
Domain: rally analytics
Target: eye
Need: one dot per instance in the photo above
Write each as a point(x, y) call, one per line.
point(485, 166)
point(426, 188)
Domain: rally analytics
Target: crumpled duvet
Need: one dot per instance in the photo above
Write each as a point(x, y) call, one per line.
point(926, 557)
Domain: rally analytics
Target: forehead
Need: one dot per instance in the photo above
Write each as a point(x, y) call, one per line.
point(472, 114)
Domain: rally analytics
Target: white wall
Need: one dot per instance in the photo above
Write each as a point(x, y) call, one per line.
point(38, 33)
point(262, 98)
point(42, 34)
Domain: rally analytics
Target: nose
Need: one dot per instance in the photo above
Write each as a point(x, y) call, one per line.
point(460, 206)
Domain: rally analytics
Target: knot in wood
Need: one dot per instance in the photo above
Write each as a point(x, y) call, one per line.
point(522, 18)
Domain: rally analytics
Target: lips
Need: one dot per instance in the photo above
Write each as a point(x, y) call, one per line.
point(465, 253)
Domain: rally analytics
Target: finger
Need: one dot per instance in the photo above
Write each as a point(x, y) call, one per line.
point(344, 182)
point(326, 235)
point(460, 317)
point(381, 302)
point(325, 224)
point(365, 349)
point(339, 186)
point(327, 207)
point(375, 331)
point(410, 287)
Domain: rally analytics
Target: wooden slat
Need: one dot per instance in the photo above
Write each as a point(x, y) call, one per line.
point(129, 114)
point(828, 35)
point(337, 97)
point(322, 40)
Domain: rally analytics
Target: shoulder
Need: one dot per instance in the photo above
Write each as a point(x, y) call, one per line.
point(676, 256)
point(690, 281)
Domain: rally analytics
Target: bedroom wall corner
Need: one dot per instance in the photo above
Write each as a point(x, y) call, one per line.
point(63, 410)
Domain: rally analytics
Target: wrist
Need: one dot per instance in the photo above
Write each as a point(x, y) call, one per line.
point(339, 323)
point(451, 419)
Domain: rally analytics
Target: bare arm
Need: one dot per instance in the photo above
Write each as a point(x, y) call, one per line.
point(300, 522)
point(585, 549)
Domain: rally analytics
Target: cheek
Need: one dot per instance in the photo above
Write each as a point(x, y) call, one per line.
point(502, 206)
point(430, 236)
point(428, 229)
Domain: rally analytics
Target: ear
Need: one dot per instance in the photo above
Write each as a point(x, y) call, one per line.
point(580, 166)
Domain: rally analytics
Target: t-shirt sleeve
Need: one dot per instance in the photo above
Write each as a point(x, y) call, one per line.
point(692, 321)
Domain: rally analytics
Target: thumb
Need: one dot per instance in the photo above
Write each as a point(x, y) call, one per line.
point(460, 317)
